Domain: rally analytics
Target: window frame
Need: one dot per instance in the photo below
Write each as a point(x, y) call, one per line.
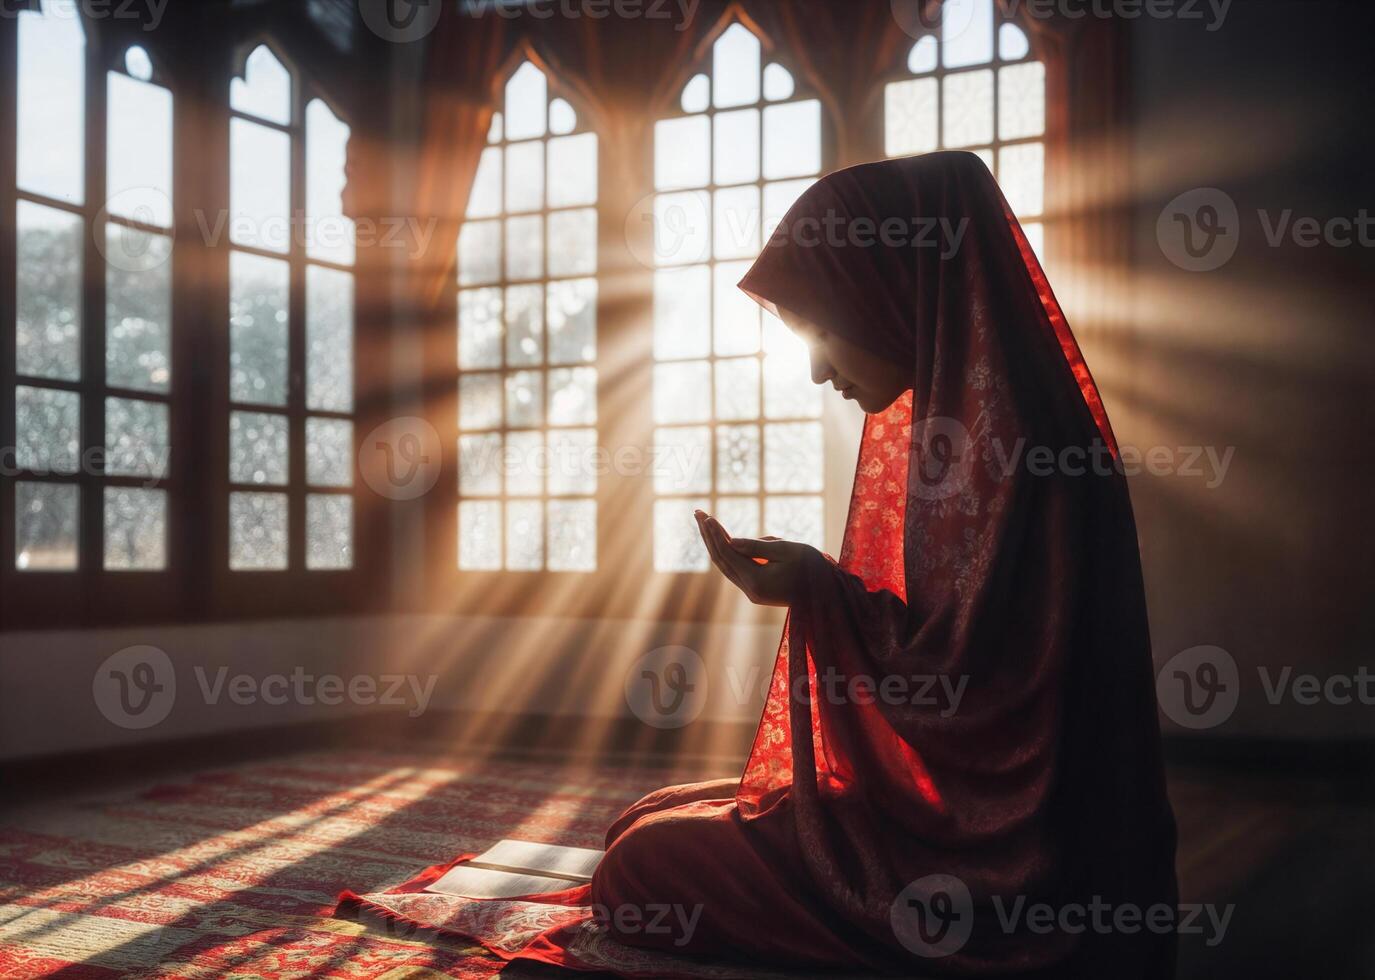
point(545, 367)
point(89, 592)
point(826, 420)
point(195, 586)
point(293, 590)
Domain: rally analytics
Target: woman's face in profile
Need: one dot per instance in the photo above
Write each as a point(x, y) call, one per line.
point(870, 381)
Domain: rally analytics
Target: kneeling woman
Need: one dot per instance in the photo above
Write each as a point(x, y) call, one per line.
point(962, 724)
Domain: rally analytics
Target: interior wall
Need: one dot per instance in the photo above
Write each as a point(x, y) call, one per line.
point(1267, 357)
point(56, 691)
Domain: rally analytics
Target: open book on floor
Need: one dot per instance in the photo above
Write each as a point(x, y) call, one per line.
point(511, 868)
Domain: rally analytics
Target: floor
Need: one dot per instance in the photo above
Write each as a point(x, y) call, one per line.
point(234, 870)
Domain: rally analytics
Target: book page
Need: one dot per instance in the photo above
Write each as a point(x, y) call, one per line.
point(552, 860)
point(466, 881)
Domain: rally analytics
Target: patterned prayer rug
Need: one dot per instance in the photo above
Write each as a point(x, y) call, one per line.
point(235, 872)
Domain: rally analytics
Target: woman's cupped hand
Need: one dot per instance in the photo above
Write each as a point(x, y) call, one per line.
point(768, 570)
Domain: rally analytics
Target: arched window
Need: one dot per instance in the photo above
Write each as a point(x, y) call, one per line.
point(973, 85)
point(527, 339)
point(91, 401)
point(738, 428)
point(291, 325)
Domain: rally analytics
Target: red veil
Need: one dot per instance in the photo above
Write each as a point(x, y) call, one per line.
point(970, 559)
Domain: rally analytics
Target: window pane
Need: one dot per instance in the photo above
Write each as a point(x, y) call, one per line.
point(736, 315)
point(479, 253)
point(525, 247)
point(48, 292)
point(329, 339)
point(792, 457)
point(1021, 100)
point(909, 117)
point(1012, 43)
point(573, 170)
point(735, 67)
point(735, 147)
point(572, 535)
point(737, 388)
point(138, 309)
point(737, 458)
point(257, 531)
point(696, 94)
point(329, 452)
point(259, 186)
point(258, 448)
point(562, 118)
point(527, 95)
point(329, 531)
point(52, 102)
point(794, 519)
point(479, 464)
point(682, 313)
point(573, 461)
point(525, 176)
point(525, 464)
point(479, 328)
point(257, 329)
point(265, 89)
point(573, 242)
point(735, 223)
point(682, 392)
point(1021, 175)
point(479, 535)
point(572, 321)
point(778, 200)
point(484, 200)
point(778, 83)
point(788, 388)
point(739, 516)
point(524, 399)
point(331, 234)
point(966, 32)
point(135, 529)
point(677, 542)
point(525, 324)
point(524, 535)
point(573, 396)
point(479, 401)
point(967, 113)
point(922, 57)
point(136, 438)
point(139, 170)
point(792, 139)
point(45, 523)
point(682, 149)
point(682, 460)
point(47, 424)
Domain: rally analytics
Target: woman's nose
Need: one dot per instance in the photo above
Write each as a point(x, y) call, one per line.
point(822, 370)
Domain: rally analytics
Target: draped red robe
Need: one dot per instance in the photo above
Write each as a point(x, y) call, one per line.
point(873, 829)
point(966, 558)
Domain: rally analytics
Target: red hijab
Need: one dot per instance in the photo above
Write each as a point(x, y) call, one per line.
point(969, 566)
